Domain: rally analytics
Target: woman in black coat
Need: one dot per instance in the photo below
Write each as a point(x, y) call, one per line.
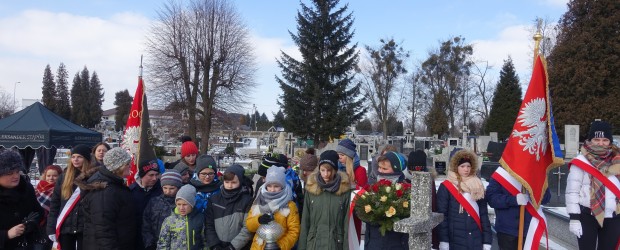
point(107, 205)
point(19, 210)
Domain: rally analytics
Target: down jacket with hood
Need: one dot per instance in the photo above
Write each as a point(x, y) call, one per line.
point(108, 211)
point(324, 224)
point(182, 232)
point(458, 227)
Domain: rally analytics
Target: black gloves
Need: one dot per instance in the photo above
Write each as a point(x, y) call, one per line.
point(30, 221)
point(265, 218)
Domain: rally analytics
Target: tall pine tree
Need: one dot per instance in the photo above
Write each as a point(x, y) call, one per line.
point(320, 99)
point(63, 104)
point(123, 102)
point(506, 102)
point(95, 100)
point(79, 96)
point(49, 89)
point(583, 66)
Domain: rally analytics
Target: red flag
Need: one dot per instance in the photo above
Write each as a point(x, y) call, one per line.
point(532, 149)
point(131, 137)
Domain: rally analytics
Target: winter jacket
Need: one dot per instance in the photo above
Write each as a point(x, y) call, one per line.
point(203, 192)
point(15, 205)
point(578, 191)
point(390, 241)
point(107, 210)
point(156, 211)
point(140, 198)
point(182, 232)
point(225, 219)
point(324, 224)
point(73, 223)
point(507, 209)
point(287, 218)
point(459, 228)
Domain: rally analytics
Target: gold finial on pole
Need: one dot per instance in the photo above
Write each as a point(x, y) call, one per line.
point(537, 37)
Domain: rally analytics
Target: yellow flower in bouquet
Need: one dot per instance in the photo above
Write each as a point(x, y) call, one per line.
point(390, 212)
point(383, 203)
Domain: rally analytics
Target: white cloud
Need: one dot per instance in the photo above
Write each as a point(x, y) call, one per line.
point(513, 41)
point(111, 47)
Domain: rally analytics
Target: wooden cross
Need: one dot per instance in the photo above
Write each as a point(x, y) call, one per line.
point(420, 224)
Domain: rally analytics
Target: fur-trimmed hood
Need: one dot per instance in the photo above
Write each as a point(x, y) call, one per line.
point(313, 187)
point(454, 161)
point(95, 179)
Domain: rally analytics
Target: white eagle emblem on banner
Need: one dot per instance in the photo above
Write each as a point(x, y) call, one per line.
point(533, 117)
point(131, 139)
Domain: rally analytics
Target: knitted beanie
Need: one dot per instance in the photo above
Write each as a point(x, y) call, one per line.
point(188, 148)
point(276, 176)
point(600, 129)
point(116, 158)
point(346, 147)
point(171, 178)
point(330, 157)
point(205, 161)
point(417, 160)
point(82, 150)
point(10, 161)
point(398, 161)
point(146, 166)
point(236, 169)
point(308, 162)
point(188, 194)
point(272, 159)
point(181, 167)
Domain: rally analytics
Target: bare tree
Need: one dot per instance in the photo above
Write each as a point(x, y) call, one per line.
point(481, 90)
point(446, 72)
point(381, 80)
point(7, 106)
point(548, 30)
point(201, 60)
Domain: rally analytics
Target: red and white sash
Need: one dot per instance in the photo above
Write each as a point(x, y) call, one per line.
point(538, 224)
point(354, 242)
point(466, 202)
point(66, 210)
point(611, 183)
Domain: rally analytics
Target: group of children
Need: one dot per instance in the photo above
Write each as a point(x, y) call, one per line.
point(200, 208)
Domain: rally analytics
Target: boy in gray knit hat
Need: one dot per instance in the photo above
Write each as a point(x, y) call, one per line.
point(184, 228)
point(159, 208)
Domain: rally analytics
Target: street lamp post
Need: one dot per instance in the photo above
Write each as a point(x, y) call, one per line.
point(14, 87)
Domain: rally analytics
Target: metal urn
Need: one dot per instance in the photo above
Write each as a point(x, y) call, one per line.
point(270, 233)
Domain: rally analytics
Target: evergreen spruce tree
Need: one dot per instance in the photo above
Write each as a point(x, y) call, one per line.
point(278, 119)
point(123, 102)
point(49, 89)
point(437, 119)
point(506, 102)
point(95, 100)
point(584, 79)
point(77, 101)
point(63, 104)
point(320, 99)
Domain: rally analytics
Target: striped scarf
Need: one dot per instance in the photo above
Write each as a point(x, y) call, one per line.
point(601, 157)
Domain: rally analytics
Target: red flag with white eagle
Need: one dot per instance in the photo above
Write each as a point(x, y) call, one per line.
point(137, 131)
point(533, 148)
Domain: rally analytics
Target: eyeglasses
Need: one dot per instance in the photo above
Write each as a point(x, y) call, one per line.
point(207, 174)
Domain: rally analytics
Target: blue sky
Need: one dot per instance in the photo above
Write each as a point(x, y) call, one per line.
point(108, 36)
